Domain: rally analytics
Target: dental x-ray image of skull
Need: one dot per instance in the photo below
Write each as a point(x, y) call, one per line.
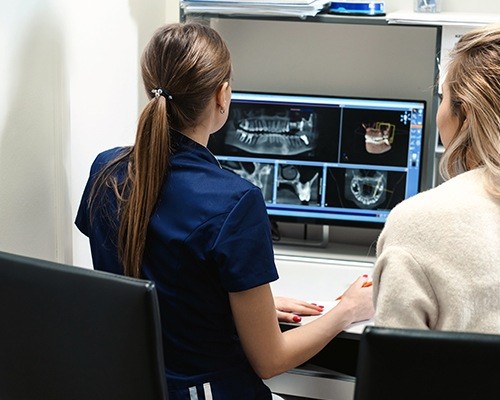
point(379, 137)
point(366, 188)
point(285, 132)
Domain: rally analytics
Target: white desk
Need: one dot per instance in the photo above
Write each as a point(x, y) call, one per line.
point(318, 275)
point(319, 279)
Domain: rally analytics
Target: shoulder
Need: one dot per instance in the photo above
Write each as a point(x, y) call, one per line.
point(110, 154)
point(217, 182)
point(107, 156)
point(443, 199)
point(437, 213)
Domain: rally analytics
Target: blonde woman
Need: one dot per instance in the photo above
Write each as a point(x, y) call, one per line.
point(438, 263)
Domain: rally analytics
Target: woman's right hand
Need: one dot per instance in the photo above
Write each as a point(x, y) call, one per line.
point(358, 299)
point(272, 352)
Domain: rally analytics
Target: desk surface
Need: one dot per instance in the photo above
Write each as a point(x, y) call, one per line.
point(340, 252)
point(314, 277)
point(320, 277)
point(356, 328)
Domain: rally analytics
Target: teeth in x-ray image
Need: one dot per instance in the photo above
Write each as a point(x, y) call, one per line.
point(366, 189)
point(290, 175)
point(273, 135)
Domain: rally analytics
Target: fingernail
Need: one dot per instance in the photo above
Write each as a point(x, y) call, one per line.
point(365, 276)
point(314, 304)
point(321, 306)
point(296, 318)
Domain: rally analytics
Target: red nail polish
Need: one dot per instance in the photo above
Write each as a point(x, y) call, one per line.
point(365, 276)
point(321, 306)
point(296, 318)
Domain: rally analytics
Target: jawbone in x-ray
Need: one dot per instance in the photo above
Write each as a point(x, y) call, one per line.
point(262, 131)
point(366, 188)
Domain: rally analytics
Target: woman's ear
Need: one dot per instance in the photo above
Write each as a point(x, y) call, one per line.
point(223, 96)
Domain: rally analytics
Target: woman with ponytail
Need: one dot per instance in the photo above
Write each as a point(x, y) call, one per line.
point(164, 210)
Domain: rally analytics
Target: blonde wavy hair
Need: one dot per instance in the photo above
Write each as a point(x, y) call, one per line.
point(473, 79)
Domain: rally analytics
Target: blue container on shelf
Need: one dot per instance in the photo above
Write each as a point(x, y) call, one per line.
point(367, 8)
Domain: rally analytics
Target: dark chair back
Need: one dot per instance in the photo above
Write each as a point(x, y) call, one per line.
point(79, 334)
point(425, 365)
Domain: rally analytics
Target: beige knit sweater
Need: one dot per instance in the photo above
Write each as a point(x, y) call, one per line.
point(438, 263)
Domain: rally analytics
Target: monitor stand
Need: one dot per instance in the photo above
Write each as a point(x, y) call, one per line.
point(320, 242)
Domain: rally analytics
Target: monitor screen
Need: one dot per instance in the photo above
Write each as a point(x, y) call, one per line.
point(323, 159)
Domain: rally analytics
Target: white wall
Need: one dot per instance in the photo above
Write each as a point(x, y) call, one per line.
point(69, 87)
point(33, 127)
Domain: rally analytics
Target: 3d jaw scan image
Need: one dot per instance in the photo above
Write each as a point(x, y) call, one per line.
point(375, 137)
point(378, 137)
point(277, 131)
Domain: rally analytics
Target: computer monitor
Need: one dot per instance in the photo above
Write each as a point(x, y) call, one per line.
point(74, 333)
point(324, 159)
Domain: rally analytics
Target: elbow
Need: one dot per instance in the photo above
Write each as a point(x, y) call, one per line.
point(266, 374)
point(267, 371)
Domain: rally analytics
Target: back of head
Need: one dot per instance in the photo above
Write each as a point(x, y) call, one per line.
point(473, 79)
point(188, 61)
point(183, 66)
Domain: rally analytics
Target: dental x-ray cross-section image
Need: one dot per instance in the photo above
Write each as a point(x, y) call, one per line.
point(298, 184)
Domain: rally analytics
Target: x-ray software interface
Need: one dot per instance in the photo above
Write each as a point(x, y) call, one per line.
point(322, 158)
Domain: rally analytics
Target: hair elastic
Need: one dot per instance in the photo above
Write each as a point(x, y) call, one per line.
point(162, 92)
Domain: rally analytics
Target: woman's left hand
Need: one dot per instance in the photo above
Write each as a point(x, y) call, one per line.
point(290, 310)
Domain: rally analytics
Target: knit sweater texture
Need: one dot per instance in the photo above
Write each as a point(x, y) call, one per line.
point(438, 260)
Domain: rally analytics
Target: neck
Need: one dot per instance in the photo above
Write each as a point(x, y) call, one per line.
point(208, 123)
point(196, 135)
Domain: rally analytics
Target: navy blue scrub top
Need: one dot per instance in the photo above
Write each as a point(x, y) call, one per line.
point(208, 236)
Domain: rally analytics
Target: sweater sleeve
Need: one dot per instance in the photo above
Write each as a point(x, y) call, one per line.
point(403, 295)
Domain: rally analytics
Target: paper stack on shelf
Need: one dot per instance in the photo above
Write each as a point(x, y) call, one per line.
point(299, 8)
point(442, 18)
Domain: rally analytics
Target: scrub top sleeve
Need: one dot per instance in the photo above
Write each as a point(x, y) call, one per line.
point(244, 249)
point(82, 220)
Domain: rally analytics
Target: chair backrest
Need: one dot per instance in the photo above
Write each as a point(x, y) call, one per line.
point(74, 333)
point(416, 364)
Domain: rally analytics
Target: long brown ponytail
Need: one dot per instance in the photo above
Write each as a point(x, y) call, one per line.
point(187, 62)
